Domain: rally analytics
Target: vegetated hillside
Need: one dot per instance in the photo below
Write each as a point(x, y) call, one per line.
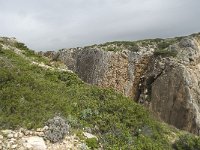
point(31, 93)
point(162, 74)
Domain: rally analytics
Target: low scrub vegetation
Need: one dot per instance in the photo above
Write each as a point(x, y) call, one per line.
point(187, 142)
point(165, 53)
point(30, 95)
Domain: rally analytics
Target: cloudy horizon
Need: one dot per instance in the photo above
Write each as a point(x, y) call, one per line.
point(52, 25)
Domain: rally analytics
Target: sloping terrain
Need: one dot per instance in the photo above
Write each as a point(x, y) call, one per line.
point(162, 74)
point(33, 90)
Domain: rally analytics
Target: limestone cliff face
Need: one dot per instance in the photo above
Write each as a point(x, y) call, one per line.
point(118, 70)
point(167, 85)
point(173, 85)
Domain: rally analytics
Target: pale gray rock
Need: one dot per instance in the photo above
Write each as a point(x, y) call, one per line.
point(10, 135)
point(14, 146)
point(6, 132)
point(1, 137)
point(89, 135)
point(34, 143)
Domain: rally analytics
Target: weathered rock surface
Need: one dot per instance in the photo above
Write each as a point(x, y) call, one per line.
point(118, 70)
point(169, 86)
point(23, 139)
point(34, 142)
point(173, 85)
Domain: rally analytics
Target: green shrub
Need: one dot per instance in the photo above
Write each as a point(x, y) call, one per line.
point(21, 46)
point(187, 142)
point(5, 76)
point(163, 45)
point(92, 143)
point(110, 49)
point(165, 53)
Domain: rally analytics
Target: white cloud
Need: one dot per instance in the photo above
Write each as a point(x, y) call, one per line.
point(50, 24)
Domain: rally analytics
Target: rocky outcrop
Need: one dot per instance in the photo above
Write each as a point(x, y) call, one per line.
point(165, 80)
point(173, 85)
point(118, 70)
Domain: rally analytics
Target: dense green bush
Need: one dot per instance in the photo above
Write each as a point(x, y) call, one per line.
point(114, 49)
point(165, 53)
point(187, 142)
point(163, 44)
point(92, 143)
point(21, 46)
point(5, 76)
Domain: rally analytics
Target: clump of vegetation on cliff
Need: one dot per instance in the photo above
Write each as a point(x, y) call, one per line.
point(165, 53)
point(163, 50)
point(30, 95)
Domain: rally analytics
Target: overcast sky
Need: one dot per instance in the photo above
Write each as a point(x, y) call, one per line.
point(56, 24)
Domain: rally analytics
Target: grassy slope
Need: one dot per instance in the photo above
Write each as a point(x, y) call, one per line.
point(30, 95)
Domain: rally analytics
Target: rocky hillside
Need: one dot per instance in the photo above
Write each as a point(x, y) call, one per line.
point(162, 74)
point(43, 105)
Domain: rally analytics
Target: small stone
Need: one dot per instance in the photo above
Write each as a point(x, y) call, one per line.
point(20, 134)
point(6, 132)
point(37, 143)
point(31, 132)
point(45, 128)
point(41, 134)
point(21, 130)
point(67, 138)
point(21, 148)
point(48, 142)
point(27, 146)
point(16, 135)
point(14, 146)
point(76, 141)
point(26, 133)
point(83, 146)
point(8, 145)
point(12, 140)
point(1, 137)
point(39, 130)
point(10, 135)
point(89, 135)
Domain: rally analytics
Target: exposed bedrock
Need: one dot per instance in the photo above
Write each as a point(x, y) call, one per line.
point(118, 70)
point(172, 84)
point(169, 86)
